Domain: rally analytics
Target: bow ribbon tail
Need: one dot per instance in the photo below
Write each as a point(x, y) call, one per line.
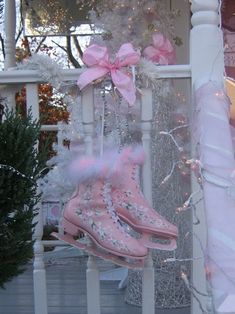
point(90, 75)
point(124, 85)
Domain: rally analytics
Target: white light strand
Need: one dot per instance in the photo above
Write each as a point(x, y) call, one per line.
point(179, 127)
point(192, 290)
point(172, 138)
point(12, 169)
point(171, 172)
point(189, 200)
point(180, 260)
point(169, 133)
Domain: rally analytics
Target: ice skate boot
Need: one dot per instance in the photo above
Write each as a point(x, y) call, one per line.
point(132, 207)
point(90, 211)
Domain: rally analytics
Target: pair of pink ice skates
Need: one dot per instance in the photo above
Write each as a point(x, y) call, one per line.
point(108, 194)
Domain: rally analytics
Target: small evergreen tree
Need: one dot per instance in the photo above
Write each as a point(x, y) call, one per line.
point(20, 166)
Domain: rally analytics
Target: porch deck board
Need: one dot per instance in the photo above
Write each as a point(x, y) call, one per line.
point(66, 290)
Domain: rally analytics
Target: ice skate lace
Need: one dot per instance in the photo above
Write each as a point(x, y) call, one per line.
point(135, 175)
point(142, 212)
point(108, 201)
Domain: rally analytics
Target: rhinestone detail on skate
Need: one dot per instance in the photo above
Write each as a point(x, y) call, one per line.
point(104, 233)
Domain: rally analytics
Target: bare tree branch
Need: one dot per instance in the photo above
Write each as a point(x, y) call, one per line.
point(77, 45)
point(58, 45)
point(75, 63)
point(2, 45)
point(68, 51)
point(19, 34)
point(40, 44)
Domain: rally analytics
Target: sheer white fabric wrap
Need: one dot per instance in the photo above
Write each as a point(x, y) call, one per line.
point(216, 153)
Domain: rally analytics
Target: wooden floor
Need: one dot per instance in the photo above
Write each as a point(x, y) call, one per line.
point(66, 287)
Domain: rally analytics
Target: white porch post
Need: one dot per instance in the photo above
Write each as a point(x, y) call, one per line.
point(9, 45)
point(10, 29)
point(207, 63)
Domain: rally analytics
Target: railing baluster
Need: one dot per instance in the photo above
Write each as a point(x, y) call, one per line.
point(92, 273)
point(148, 292)
point(39, 273)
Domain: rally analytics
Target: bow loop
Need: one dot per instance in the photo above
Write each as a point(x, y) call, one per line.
point(158, 40)
point(127, 55)
point(95, 54)
point(161, 51)
point(97, 58)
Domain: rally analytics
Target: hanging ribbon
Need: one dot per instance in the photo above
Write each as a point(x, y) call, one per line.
point(97, 58)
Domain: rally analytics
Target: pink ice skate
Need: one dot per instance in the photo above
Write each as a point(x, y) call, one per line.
point(132, 207)
point(90, 211)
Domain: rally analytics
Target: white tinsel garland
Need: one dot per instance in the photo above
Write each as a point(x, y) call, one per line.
point(148, 73)
point(48, 69)
point(56, 184)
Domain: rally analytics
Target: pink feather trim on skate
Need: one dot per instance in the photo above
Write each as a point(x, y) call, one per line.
point(137, 155)
point(87, 168)
point(133, 154)
point(109, 166)
point(129, 155)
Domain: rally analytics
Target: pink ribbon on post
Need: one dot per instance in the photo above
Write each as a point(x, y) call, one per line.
point(97, 58)
point(161, 51)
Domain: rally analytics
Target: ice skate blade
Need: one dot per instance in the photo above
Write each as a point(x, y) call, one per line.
point(73, 230)
point(147, 242)
point(158, 234)
point(92, 249)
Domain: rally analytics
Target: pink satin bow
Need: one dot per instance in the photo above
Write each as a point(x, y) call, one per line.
point(161, 51)
point(97, 58)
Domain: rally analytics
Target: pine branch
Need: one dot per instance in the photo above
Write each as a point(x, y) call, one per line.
point(19, 171)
